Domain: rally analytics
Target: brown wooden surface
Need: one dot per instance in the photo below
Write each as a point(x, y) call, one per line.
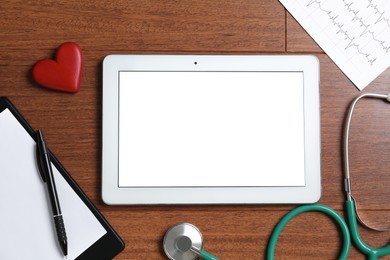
point(32, 30)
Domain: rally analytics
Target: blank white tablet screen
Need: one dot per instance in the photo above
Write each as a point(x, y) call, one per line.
point(211, 129)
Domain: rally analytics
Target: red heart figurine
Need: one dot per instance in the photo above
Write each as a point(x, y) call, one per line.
point(64, 73)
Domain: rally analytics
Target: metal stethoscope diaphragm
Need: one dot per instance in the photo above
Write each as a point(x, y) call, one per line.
point(185, 242)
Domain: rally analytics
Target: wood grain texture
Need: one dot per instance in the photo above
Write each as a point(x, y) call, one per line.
point(297, 38)
point(32, 30)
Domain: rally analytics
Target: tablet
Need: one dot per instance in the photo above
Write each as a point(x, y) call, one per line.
point(211, 129)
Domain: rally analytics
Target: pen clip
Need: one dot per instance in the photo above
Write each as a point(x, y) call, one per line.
point(39, 154)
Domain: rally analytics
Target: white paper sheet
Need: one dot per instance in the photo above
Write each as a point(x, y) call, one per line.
point(355, 34)
point(26, 223)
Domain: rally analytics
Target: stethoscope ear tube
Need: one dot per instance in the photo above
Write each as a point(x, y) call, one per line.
point(305, 208)
point(347, 176)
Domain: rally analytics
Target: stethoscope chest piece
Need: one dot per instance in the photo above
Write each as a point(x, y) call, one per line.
point(183, 242)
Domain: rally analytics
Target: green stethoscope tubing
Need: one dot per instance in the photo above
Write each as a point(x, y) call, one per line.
point(207, 256)
point(353, 231)
point(305, 208)
point(371, 252)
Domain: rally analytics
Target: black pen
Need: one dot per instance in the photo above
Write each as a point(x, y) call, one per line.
point(45, 169)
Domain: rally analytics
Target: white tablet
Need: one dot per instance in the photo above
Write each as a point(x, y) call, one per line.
point(211, 129)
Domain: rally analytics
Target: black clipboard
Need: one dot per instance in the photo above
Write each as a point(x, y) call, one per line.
point(108, 245)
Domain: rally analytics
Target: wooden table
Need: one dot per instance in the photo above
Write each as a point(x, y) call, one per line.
point(32, 30)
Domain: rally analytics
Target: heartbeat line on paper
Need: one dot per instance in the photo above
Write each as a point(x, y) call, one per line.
point(354, 34)
point(381, 13)
point(350, 39)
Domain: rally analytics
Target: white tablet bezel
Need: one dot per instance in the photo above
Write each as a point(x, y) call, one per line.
point(112, 194)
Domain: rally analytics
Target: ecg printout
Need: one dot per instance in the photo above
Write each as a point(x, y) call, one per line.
point(355, 34)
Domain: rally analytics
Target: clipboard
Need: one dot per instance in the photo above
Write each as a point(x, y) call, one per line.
point(106, 246)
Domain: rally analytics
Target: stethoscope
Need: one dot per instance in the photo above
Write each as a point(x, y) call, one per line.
point(184, 241)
